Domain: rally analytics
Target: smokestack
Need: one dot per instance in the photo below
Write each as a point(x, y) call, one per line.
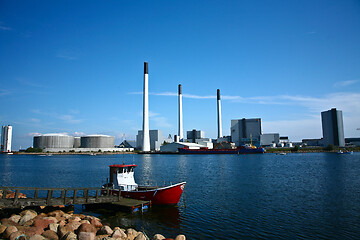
point(146, 136)
point(219, 114)
point(180, 134)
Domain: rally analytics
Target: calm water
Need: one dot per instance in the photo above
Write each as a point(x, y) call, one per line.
point(297, 196)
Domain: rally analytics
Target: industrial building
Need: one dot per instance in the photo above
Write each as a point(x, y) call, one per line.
point(333, 128)
point(314, 142)
point(6, 138)
point(156, 139)
point(269, 139)
point(174, 147)
point(55, 142)
point(245, 131)
point(194, 134)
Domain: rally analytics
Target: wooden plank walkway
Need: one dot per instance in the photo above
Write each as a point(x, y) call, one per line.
point(62, 196)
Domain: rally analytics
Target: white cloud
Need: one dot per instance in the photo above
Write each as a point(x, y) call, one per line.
point(68, 118)
point(4, 92)
point(159, 121)
point(79, 134)
point(67, 55)
point(34, 120)
point(4, 28)
point(345, 83)
point(32, 134)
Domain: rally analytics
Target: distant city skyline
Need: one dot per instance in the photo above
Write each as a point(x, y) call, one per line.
point(77, 67)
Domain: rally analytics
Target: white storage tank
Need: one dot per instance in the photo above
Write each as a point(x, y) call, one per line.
point(77, 142)
point(97, 141)
point(53, 140)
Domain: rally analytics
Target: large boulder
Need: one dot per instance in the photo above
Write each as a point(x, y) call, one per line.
point(140, 236)
point(16, 235)
point(158, 237)
point(66, 216)
point(27, 217)
point(74, 219)
point(9, 230)
point(105, 230)
point(119, 233)
point(56, 213)
point(28, 211)
point(131, 234)
point(51, 235)
point(180, 237)
point(96, 222)
point(7, 222)
point(31, 231)
point(73, 226)
point(15, 218)
point(42, 222)
point(53, 227)
point(54, 219)
point(69, 236)
point(63, 230)
point(86, 236)
point(2, 229)
point(86, 227)
point(36, 237)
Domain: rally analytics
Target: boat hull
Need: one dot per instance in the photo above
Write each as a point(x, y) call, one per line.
point(222, 151)
point(169, 195)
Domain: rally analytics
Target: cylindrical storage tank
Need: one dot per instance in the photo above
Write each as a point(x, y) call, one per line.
point(53, 141)
point(77, 142)
point(97, 141)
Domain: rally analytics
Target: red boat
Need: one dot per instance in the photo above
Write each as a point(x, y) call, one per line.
point(122, 180)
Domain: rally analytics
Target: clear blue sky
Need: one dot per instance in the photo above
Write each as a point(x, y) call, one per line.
point(77, 66)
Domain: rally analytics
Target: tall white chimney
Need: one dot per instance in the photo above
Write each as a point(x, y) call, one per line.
point(146, 136)
point(219, 115)
point(180, 134)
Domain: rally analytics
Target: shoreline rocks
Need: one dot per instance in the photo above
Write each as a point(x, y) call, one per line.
point(58, 225)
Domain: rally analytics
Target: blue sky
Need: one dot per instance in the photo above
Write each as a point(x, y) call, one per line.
point(77, 66)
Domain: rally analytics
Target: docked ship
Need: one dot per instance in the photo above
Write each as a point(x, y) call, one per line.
point(246, 149)
point(122, 181)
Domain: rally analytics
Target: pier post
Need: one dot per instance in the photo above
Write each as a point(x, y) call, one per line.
point(36, 193)
point(74, 197)
point(16, 198)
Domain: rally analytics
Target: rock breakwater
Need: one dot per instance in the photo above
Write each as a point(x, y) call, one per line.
point(59, 225)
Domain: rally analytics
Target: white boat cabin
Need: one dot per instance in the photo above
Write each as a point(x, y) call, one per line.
point(122, 176)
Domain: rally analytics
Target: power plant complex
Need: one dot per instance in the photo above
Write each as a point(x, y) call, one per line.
point(242, 132)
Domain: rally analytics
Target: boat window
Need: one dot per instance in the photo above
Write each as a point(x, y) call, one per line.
point(125, 170)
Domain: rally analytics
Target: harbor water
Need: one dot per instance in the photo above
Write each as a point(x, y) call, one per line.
point(262, 196)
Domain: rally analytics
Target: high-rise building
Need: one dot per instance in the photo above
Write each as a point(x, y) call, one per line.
point(333, 128)
point(156, 139)
point(6, 137)
point(194, 134)
point(245, 131)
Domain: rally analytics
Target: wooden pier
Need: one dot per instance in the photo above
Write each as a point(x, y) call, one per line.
point(20, 197)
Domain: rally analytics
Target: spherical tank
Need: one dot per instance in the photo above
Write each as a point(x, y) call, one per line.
point(97, 141)
point(53, 141)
